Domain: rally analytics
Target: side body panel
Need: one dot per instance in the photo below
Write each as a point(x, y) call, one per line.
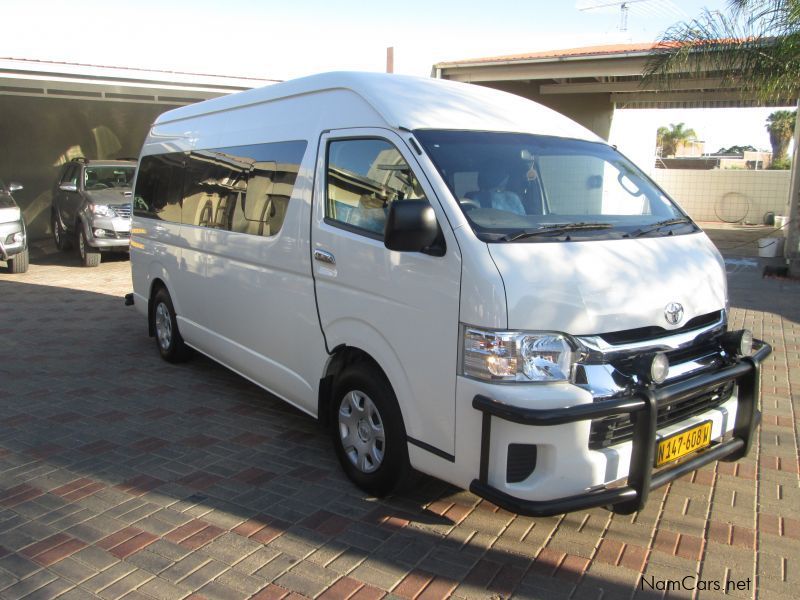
point(400, 307)
point(247, 301)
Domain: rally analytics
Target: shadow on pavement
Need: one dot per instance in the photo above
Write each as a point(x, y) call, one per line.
point(99, 437)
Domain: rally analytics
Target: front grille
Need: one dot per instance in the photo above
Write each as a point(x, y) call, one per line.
point(123, 211)
point(619, 428)
point(642, 334)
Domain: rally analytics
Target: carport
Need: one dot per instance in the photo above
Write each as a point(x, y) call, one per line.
point(588, 84)
point(51, 112)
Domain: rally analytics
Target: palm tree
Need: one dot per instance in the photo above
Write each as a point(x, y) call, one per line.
point(780, 125)
point(669, 138)
point(755, 47)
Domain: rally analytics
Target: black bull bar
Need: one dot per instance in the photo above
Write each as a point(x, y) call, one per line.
point(643, 407)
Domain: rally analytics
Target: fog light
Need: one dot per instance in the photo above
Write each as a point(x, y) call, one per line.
point(738, 343)
point(659, 368)
point(99, 233)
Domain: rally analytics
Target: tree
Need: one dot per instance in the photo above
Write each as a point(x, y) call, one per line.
point(669, 138)
point(755, 48)
point(736, 150)
point(780, 125)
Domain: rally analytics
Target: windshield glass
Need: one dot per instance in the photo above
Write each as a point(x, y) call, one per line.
point(101, 177)
point(520, 187)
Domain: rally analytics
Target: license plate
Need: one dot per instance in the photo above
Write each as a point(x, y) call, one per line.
point(681, 444)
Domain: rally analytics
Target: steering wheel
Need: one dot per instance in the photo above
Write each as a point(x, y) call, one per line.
point(98, 186)
point(468, 203)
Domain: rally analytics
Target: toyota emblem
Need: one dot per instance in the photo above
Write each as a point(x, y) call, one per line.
point(673, 313)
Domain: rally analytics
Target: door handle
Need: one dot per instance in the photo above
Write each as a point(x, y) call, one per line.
point(324, 256)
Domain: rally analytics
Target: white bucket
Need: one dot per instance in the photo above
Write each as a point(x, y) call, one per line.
point(770, 247)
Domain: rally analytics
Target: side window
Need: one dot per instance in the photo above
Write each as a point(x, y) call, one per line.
point(364, 178)
point(71, 174)
point(158, 187)
point(245, 189)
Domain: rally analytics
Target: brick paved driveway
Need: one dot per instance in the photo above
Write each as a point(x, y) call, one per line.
point(122, 476)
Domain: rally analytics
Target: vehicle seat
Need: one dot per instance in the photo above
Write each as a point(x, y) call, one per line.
point(370, 214)
point(492, 193)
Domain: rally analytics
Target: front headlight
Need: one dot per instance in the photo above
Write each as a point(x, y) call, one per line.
point(521, 356)
point(102, 210)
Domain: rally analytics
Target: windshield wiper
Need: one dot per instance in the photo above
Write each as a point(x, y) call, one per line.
point(554, 228)
point(658, 225)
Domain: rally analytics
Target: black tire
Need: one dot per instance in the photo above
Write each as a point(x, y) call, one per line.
point(90, 256)
point(168, 338)
point(352, 443)
point(60, 238)
point(19, 262)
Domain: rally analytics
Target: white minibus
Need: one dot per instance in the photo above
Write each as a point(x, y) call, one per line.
point(450, 279)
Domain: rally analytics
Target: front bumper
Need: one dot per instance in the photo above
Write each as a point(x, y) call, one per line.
point(117, 232)
point(643, 408)
point(9, 250)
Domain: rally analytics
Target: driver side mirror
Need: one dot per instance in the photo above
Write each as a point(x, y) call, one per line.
point(411, 227)
point(14, 187)
point(68, 187)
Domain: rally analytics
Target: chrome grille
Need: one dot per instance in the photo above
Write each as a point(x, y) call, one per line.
point(123, 211)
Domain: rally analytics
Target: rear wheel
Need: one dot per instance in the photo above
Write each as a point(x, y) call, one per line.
point(19, 263)
point(90, 256)
point(368, 432)
point(168, 338)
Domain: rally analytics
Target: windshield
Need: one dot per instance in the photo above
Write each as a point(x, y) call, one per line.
point(102, 177)
point(520, 187)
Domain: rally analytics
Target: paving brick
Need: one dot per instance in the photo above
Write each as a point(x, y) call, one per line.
point(209, 487)
point(162, 589)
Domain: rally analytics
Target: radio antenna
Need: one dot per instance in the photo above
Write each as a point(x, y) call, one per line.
point(624, 7)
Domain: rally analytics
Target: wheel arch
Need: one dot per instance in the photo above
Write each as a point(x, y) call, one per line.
point(156, 285)
point(383, 361)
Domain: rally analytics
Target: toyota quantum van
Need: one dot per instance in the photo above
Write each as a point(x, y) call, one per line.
point(451, 279)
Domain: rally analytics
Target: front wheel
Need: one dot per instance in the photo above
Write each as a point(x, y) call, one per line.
point(59, 237)
point(90, 256)
point(368, 432)
point(168, 338)
point(19, 263)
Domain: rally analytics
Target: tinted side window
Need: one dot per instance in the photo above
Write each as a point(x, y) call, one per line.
point(364, 177)
point(158, 187)
point(245, 189)
point(71, 174)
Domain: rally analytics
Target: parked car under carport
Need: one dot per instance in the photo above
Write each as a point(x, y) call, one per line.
point(13, 235)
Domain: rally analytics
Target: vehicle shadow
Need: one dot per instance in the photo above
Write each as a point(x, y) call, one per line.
point(44, 252)
point(84, 397)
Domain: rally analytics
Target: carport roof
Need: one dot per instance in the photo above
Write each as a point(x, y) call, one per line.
point(586, 51)
point(29, 77)
point(615, 70)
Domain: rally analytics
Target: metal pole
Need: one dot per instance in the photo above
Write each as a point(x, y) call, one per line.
point(390, 59)
point(792, 248)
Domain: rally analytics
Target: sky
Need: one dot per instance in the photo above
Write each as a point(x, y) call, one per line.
point(283, 40)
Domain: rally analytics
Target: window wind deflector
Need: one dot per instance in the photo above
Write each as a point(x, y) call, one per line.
point(554, 229)
point(660, 224)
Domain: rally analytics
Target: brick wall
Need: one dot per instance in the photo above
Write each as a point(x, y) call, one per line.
point(727, 195)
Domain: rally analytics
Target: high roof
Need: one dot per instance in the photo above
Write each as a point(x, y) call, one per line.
point(409, 102)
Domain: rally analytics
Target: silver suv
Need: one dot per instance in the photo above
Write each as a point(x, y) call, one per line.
point(91, 207)
point(13, 237)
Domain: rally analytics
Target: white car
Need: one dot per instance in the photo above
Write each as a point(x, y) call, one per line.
point(13, 235)
point(453, 279)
